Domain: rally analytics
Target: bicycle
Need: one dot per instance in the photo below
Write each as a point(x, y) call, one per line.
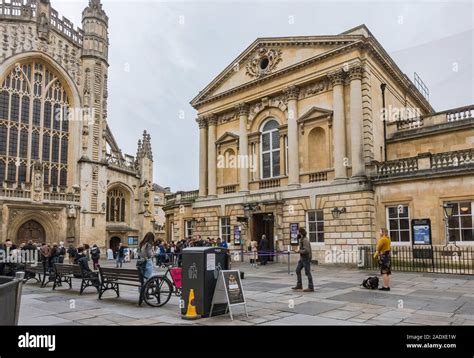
point(158, 289)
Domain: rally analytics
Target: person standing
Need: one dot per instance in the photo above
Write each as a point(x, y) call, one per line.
point(95, 255)
point(146, 256)
point(71, 252)
point(263, 250)
point(62, 252)
point(304, 262)
point(254, 250)
point(120, 255)
point(382, 253)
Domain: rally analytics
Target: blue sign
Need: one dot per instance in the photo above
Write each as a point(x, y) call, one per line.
point(236, 235)
point(421, 231)
point(294, 233)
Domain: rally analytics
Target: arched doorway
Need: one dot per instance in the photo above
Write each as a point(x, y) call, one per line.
point(114, 243)
point(31, 230)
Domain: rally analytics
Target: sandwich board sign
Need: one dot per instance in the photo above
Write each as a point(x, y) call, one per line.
point(229, 291)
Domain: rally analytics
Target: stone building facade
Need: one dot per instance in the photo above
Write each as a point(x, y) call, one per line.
point(62, 175)
point(326, 133)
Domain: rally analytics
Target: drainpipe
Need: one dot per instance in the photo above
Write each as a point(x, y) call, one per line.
point(382, 87)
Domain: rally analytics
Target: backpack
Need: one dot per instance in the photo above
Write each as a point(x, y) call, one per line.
point(371, 283)
point(62, 251)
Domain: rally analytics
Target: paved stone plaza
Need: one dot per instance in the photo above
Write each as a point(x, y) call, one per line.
point(415, 299)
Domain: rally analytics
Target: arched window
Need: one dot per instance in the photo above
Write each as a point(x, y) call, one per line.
point(116, 205)
point(270, 149)
point(29, 96)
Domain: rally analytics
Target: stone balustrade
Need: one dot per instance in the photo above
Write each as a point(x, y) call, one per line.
point(453, 159)
point(117, 161)
point(228, 189)
point(440, 118)
point(318, 176)
point(270, 183)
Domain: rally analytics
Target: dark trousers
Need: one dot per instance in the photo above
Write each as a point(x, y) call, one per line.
point(306, 264)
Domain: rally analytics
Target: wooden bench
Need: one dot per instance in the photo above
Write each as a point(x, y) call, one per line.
point(38, 271)
point(88, 278)
point(64, 273)
point(112, 278)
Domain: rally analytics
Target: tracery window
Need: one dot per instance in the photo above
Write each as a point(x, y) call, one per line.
point(33, 124)
point(116, 205)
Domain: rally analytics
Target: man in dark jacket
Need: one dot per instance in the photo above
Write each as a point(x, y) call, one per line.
point(95, 256)
point(304, 262)
point(263, 248)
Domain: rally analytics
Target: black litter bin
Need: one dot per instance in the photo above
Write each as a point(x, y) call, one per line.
point(10, 299)
point(201, 266)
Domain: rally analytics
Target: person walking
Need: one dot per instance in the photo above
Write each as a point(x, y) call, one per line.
point(263, 250)
point(382, 253)
point(95, 255)
point(304, 262)
point(120, 255)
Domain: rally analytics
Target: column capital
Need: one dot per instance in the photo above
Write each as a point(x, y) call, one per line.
point(336, 77)
point(355, 72)
point(202, 122)
point(292, 92)
point(242, 109)
point(211, 119)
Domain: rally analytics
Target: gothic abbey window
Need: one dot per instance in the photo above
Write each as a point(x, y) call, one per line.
point(116, 206)
point(34, 109)
point(270, 149)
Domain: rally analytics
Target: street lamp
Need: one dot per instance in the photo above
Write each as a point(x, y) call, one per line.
point(448, 213)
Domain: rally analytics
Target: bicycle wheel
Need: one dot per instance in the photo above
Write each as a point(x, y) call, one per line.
point(157, 291)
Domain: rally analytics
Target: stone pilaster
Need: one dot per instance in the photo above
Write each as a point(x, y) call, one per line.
point(292, 93)
point(339, 124)
point(243, 112)
point(202, 156)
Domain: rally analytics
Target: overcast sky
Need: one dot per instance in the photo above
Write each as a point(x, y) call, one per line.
point(162, 53)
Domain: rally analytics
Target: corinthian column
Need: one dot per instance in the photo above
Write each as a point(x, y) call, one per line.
point(211, 151)
point(339, 124)
point(202, 156)
point(243, 112)
point(355, 77)
point(293, 147)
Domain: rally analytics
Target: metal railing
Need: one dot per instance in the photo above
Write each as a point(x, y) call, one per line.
point(449, 259)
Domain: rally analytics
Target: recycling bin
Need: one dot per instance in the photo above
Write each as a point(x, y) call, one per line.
point(10, 299)
point(201, 266)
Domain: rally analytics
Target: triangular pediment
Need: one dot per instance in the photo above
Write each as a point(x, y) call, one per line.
point(267, 57)
point(314, 113)
point(227, 137)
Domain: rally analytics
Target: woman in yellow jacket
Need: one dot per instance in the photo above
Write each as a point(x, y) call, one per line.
point(382, 253)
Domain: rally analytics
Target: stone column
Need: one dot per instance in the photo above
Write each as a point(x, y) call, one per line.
point(293, 147)
point(211, 155)
point(243, 112)
point(339, 125)
point(202, 156)
point(355, 77)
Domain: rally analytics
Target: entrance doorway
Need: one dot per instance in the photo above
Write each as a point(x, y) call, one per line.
point(263, 225)
point(31, 230)
point(114, 244)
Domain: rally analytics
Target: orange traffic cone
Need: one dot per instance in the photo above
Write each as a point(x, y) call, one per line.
point(191, 312)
